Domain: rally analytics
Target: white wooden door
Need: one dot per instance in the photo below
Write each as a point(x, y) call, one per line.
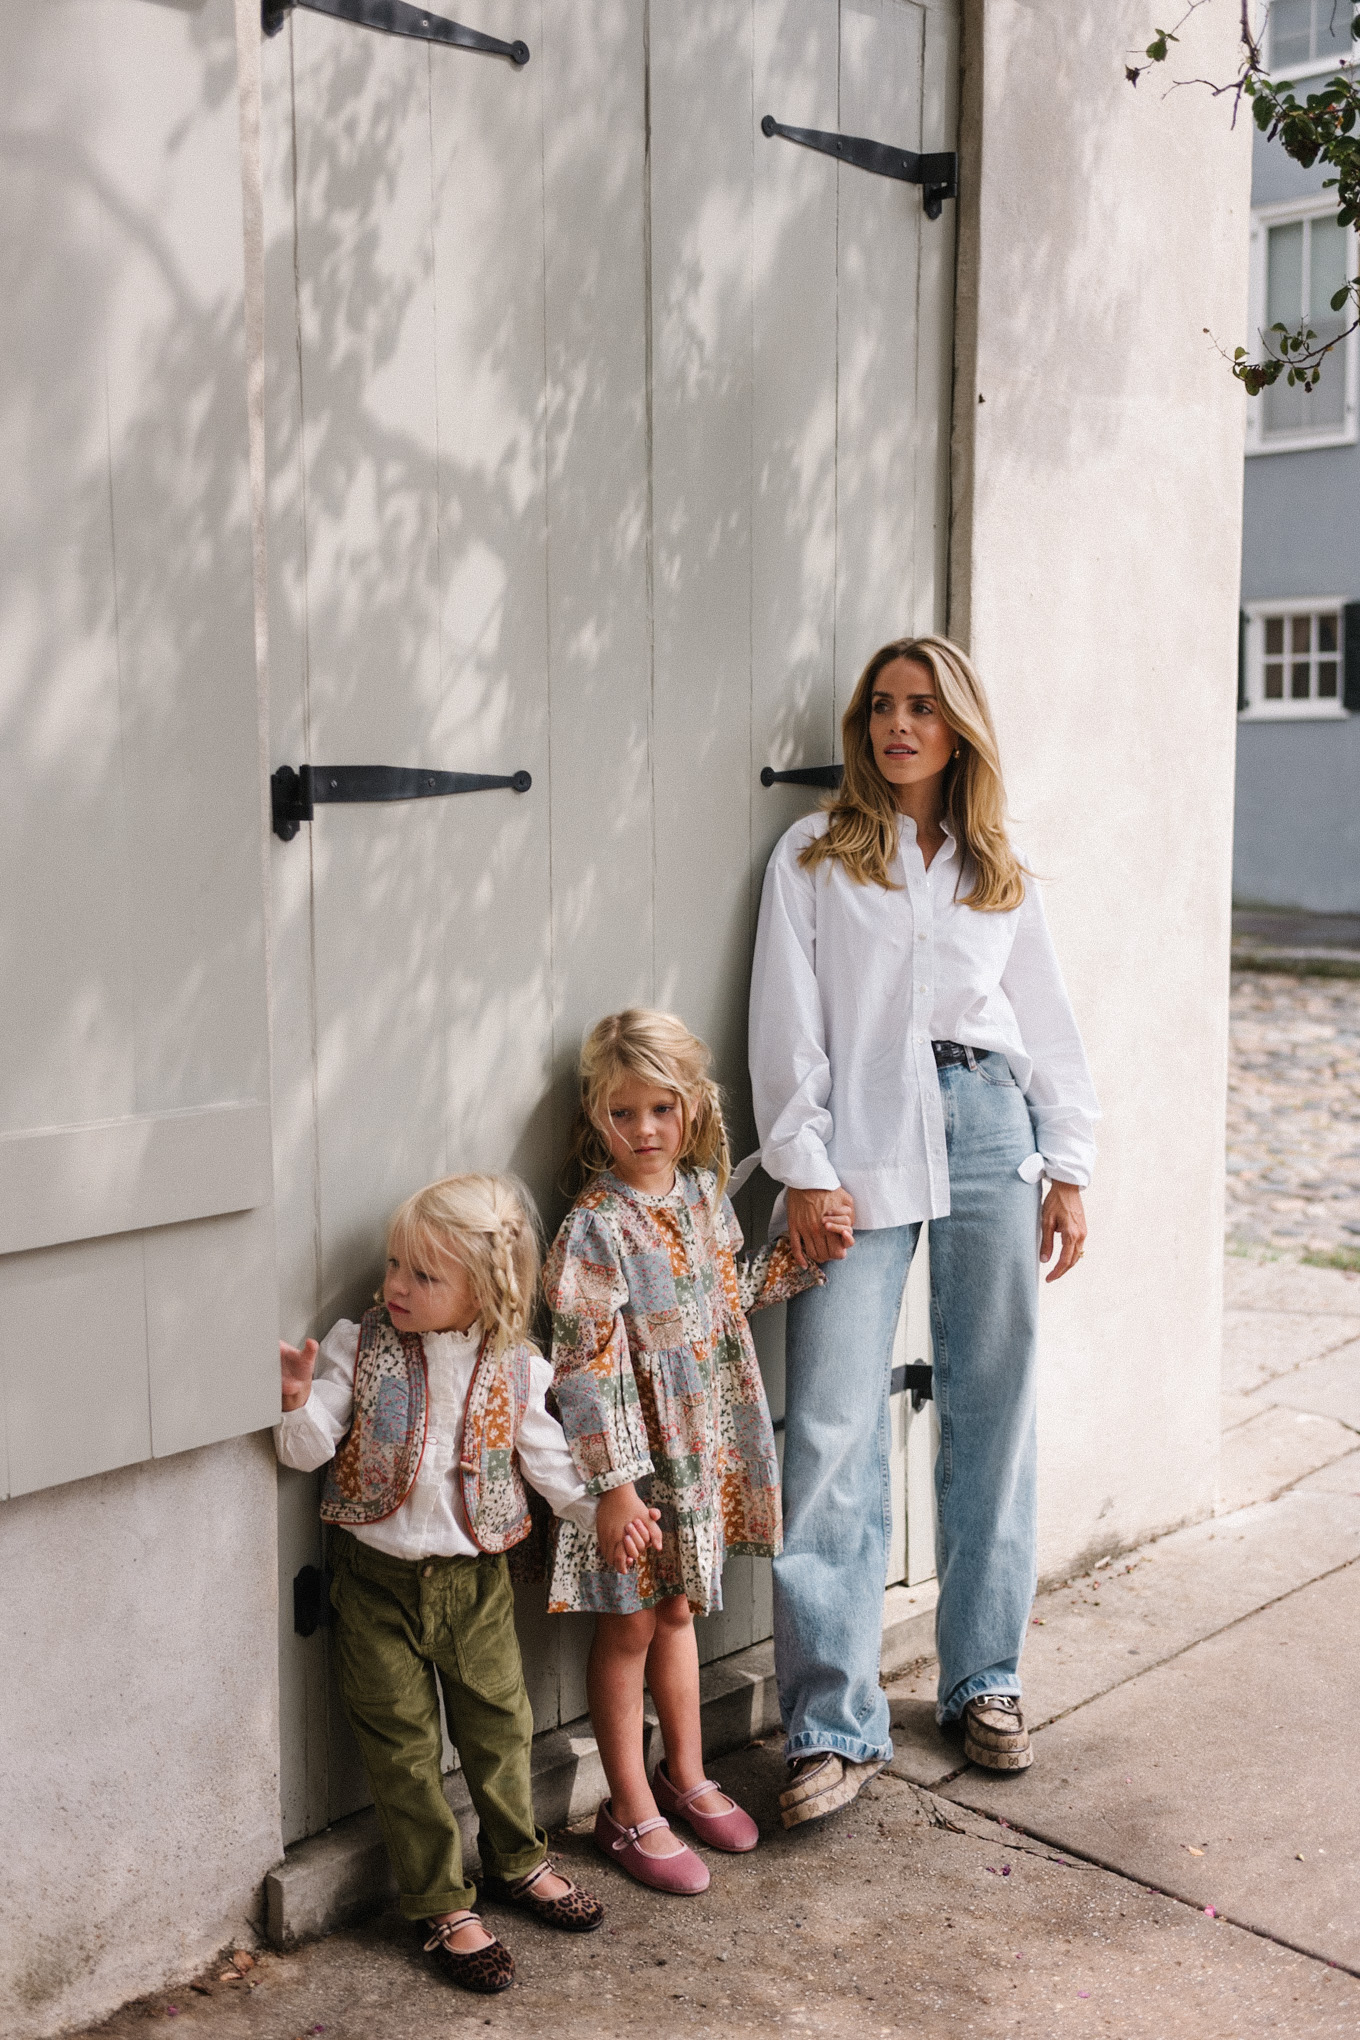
point(137, 1282)
point(605, 440)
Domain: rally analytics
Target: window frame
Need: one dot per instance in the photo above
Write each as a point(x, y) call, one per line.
point(1257, 708)
point(1285, 214)
point(1311, 67)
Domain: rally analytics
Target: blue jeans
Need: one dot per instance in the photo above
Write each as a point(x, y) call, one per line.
point(828, 1582)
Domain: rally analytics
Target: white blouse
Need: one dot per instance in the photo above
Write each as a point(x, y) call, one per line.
point(850, 986)
point(430, 1523)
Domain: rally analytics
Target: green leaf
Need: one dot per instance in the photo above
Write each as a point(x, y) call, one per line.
point(1339, 297)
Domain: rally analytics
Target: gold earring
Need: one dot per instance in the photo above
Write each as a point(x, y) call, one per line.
point(956, 750)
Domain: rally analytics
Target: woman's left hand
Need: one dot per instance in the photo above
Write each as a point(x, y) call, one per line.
point(1063, 1213)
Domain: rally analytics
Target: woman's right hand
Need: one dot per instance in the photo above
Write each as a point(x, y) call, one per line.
point(821, 1225)
point(296, 1363)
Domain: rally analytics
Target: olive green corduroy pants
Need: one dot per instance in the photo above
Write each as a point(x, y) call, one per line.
point(400, 1627)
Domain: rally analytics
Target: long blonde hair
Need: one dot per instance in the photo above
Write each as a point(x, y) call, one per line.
point(863, 822)
point(658, 1048)
point(490, 1226)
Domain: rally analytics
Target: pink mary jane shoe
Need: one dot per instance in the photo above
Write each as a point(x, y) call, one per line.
point(733, 1829)
point(681, 1873)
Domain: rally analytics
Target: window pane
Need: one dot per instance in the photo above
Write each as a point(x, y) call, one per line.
point(1300, 633)
point(1274, 636)
point(1331, 28)
point(1274, 683)
point(1328, 639)
point(1327, 679)
point(1290, 32)
point(1284, 273)
point(1327, 263)
point(1298, 680)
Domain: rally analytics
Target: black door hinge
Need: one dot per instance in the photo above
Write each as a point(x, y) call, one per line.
point(938, 175)
point(918, 1379)
point(803, 775)
point(294, 794)
point(394, 17)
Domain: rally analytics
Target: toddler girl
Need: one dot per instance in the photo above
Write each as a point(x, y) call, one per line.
point(431, 1411)
point(660, 1395)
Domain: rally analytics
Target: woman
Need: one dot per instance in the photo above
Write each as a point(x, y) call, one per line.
point(913, 1056)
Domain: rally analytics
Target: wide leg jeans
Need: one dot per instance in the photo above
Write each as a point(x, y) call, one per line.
point(829, 1579)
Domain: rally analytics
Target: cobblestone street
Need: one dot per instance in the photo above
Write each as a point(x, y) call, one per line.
point(1294, 1116)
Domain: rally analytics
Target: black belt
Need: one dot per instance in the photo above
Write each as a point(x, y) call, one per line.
point(950, 1052)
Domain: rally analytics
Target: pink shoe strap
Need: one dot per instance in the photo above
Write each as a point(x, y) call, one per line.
point(633, 1834)
point(684, 1800)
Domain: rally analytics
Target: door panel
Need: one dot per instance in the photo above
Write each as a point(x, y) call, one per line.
point(134, 1092)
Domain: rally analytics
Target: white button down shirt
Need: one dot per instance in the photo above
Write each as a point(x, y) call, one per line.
point(430, 1523)
point(850, 986)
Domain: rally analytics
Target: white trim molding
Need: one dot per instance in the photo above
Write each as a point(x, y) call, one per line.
point(1285, 708)
point(1263, 218)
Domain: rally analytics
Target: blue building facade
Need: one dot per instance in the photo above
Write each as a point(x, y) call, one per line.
point(1297, 841)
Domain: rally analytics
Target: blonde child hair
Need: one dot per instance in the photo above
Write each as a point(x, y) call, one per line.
point(490, 1225)
point(659, 1049)
point(862, 825)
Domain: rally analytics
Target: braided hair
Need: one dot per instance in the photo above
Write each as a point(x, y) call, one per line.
point(490, 1226)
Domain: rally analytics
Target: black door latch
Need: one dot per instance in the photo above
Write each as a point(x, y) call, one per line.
point(394, 17)
point(311, 1600)
point(803, 775)
point(918, 1379)
point(294, 794)
point(938, 175)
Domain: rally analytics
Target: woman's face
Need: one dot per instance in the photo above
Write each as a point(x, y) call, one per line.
point(912, 741)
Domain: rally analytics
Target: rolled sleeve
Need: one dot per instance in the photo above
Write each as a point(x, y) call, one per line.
point(790, 1067)
point(1059, 1093)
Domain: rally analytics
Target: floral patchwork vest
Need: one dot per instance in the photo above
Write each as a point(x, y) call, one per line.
point(375, 1466)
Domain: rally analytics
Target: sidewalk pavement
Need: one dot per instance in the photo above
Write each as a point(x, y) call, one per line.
point(1183, 1857)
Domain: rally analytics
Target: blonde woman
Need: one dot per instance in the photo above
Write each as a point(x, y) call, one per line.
point(914, 1057)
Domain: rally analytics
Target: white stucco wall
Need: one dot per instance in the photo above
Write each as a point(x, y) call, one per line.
point(1098, 479)
point(138, 1729)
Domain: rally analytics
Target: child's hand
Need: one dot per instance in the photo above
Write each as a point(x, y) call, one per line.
point(296, 1365)
point(641, 1532)
point(625, 1526)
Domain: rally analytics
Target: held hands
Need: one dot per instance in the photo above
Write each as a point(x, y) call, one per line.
point(1063, 1213)
point(625, 1527)
point(821, 1225)
point(296, 1364)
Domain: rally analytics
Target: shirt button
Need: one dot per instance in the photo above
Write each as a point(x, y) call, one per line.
point(427, 1572)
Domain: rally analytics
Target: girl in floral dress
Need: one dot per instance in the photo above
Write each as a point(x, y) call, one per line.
point(659, 1391)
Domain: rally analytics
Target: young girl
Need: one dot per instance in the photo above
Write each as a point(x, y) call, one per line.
point(660, 1394)
point(431, 1411)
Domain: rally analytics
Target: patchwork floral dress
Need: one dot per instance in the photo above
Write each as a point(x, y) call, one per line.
point(656, 1381)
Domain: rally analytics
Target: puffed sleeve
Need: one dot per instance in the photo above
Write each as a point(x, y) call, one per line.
point(771, 1274)
point(593, 1381)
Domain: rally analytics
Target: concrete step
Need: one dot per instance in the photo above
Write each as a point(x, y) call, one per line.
point(334, 1877)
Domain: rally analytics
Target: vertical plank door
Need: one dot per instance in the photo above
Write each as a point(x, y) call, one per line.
point(582, 460)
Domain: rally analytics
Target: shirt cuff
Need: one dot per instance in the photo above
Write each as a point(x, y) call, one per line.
point(618, 1476)
point(799, 1167)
